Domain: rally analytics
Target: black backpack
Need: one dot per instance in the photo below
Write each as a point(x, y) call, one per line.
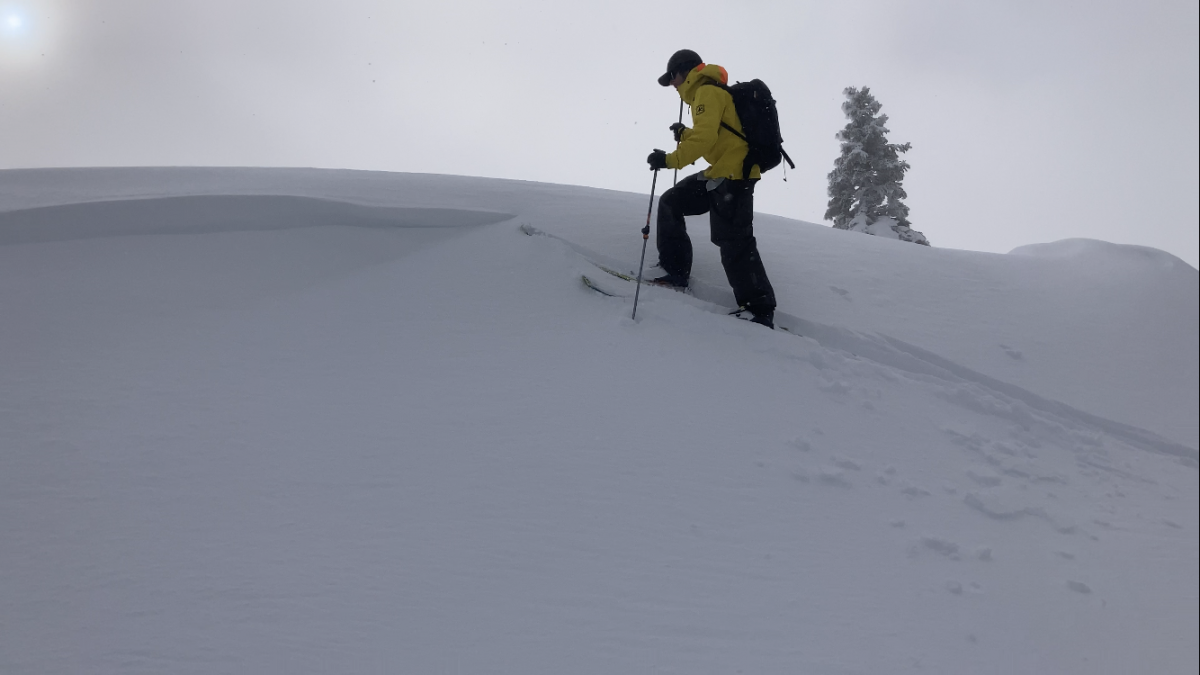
point(760, 121)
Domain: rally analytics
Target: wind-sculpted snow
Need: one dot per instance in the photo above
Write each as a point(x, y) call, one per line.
point(274, 443)
point(218, 213)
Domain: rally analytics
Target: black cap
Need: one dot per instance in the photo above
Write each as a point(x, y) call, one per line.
point(681, 61)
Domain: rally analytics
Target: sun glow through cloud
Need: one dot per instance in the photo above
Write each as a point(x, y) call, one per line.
point(25, 33)
point(12, 21)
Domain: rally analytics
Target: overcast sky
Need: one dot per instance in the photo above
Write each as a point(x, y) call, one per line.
point(1031, 121)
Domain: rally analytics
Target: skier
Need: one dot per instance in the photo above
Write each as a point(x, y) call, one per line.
point(721, 191)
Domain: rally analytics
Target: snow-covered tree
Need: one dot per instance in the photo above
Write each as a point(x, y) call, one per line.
point(865, 186)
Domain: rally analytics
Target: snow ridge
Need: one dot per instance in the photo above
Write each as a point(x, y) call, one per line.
point(200, 214)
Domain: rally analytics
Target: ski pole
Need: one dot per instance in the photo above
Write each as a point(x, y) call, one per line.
point(645, 239)
point(676, 180)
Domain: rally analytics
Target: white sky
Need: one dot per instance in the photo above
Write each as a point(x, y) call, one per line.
point(1030, 121)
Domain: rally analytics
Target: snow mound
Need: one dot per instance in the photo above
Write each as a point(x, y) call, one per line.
point(1104, 254)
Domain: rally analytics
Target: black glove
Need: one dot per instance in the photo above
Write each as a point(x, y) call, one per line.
point(657, 160)
point(677, 129)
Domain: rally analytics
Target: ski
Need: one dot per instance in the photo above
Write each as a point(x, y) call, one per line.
point(619, 275)
point(587, 281)
point(607, 285)
point(647, 282)
point(599, 285)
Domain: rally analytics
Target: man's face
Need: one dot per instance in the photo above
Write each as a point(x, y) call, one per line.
point(677, 80)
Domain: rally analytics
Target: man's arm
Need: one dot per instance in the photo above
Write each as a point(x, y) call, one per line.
point(707, 110)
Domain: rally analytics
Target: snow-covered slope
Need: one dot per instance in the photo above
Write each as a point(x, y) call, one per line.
point(358, 422)
point(1106, 328)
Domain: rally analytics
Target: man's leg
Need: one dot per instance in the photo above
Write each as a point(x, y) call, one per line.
point(732, 221)
point(687, 198)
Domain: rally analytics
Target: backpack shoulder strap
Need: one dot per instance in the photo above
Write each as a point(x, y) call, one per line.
point(735, 132)
point(723, 124)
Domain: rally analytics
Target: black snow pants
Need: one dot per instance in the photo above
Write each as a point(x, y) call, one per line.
point(730, 208)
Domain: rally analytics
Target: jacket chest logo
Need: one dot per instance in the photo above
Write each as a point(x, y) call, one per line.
point(700, 109)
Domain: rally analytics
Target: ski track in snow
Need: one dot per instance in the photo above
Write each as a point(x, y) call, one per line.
point(1007, 469)
point(966, 387)
point(216, 470)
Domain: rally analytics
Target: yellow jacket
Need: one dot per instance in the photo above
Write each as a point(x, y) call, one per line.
point(710, 105)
